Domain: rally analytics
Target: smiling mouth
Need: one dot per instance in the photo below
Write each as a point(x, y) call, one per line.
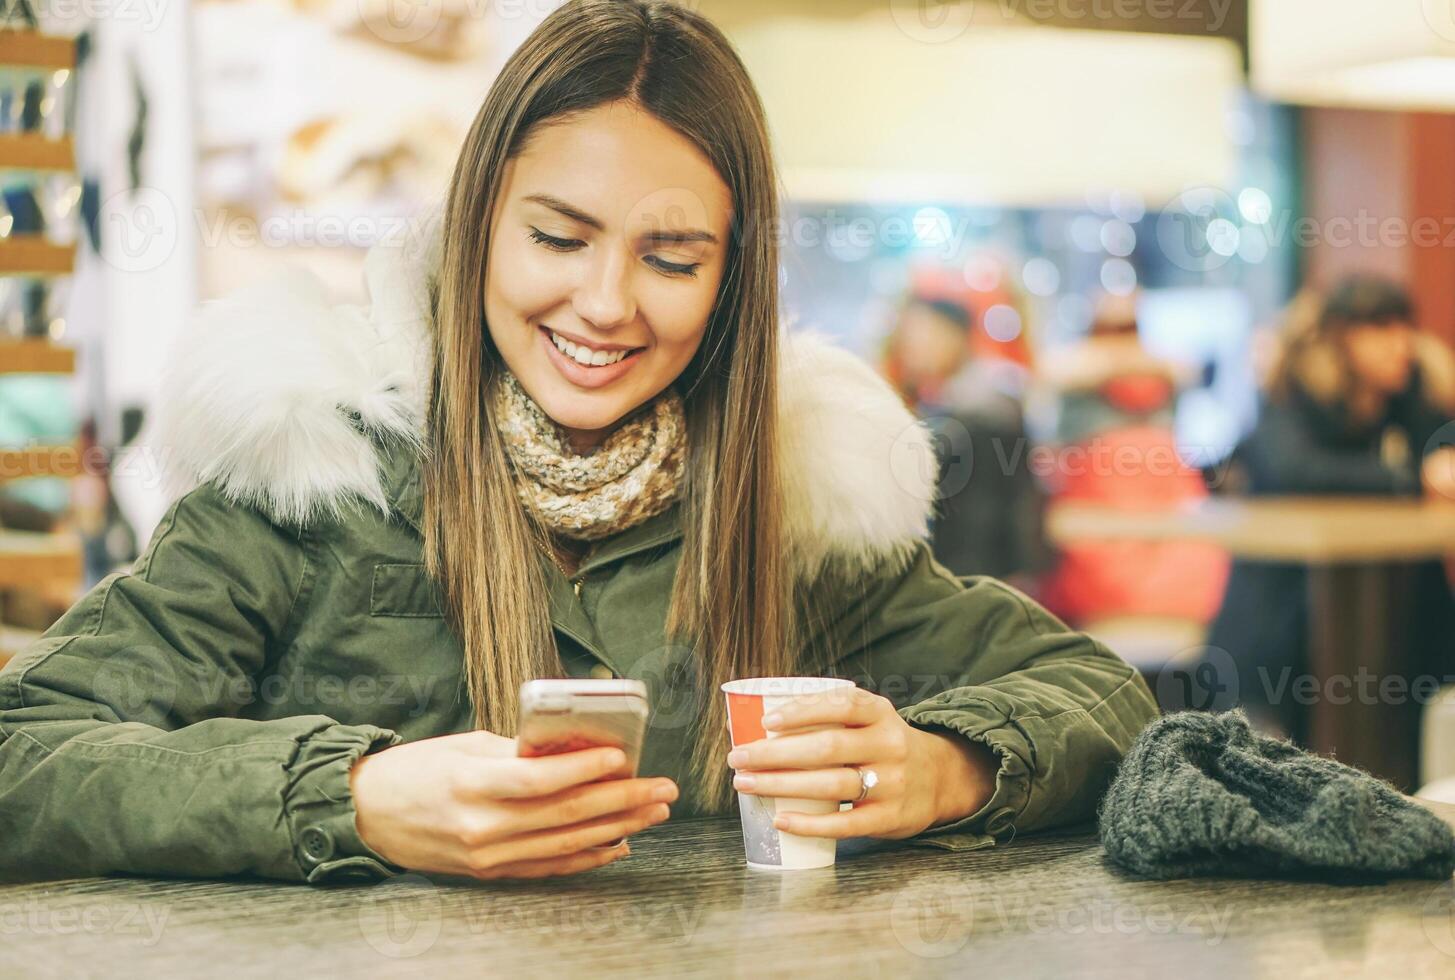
point(588, 356)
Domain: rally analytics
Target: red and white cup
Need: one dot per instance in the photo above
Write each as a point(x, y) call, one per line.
point(767, 847)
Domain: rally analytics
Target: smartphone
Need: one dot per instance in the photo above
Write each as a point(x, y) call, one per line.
point(566, 715)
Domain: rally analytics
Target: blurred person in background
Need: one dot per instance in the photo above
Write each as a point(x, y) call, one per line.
point(1116, 449)
point(1358, 402)
point(989, 519)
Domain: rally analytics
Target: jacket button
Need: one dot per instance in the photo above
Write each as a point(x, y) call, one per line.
point(317, 844)
point(602, 672)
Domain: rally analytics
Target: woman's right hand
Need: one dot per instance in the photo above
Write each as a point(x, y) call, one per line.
point(466, 805)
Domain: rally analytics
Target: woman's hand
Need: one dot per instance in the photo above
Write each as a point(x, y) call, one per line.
point(925, 778)
point(465, 805)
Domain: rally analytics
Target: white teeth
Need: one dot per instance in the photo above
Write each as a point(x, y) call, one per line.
point(585, 355)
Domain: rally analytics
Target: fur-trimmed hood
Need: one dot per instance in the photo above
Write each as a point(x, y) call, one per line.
point(283, 399)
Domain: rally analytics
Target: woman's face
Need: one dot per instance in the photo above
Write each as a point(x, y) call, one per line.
point(1381, 355)
point(928, 346)
point(608, 244)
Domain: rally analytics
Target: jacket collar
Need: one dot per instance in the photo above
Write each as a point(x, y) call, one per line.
point(299, 405)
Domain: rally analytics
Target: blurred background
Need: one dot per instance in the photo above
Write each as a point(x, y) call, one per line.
point(1170, 280)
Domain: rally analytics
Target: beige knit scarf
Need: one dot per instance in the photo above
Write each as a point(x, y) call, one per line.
point(634, 474)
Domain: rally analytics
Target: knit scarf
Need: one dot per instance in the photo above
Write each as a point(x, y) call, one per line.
point(634, 474)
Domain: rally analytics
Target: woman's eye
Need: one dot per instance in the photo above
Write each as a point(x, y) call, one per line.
point(673, 268)
point(571, 244)
point(550, 241)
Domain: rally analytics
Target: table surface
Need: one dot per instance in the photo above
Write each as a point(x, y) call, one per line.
point(1299, 529)
point(683, 904)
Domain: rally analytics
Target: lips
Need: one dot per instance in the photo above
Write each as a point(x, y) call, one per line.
point(587, 375)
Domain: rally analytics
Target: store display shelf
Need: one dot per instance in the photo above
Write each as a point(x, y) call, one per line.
point(34, 255)
point(29, 559)
point(32, 152)
point(31, 49)
point(35, 355)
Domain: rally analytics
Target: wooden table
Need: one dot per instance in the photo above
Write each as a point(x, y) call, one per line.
point(1359, 552)
point(684, 905)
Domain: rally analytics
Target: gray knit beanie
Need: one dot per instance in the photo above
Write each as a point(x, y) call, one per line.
point(1204, 794)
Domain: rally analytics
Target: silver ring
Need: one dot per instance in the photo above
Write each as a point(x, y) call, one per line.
point(868, 779)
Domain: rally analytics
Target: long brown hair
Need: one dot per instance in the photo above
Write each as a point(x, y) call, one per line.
point(731, 597)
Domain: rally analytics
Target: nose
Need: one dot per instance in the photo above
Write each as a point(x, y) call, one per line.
point(604, 299)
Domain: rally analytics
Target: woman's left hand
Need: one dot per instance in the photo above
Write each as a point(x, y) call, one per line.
point(925, 778)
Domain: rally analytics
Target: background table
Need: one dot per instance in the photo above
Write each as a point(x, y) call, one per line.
point(1359, 552)
point(683, 904)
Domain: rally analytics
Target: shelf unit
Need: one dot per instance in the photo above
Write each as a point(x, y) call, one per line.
point(30, 560)
point(34, 355)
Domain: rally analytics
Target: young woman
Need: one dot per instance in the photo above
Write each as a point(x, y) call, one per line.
point(1359, 402)
point(566, 438)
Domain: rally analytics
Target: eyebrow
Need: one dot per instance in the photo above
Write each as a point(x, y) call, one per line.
point(576, 214)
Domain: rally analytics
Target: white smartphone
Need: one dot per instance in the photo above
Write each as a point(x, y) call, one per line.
point(566, 715)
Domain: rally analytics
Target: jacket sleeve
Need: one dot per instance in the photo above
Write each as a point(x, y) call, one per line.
point(974, 656)
point(121, 745)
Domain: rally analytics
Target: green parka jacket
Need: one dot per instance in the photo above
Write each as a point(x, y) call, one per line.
point(198, 714)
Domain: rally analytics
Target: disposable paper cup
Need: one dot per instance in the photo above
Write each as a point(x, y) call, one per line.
point(767, 847)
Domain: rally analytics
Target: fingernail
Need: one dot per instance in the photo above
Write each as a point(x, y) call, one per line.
point(745, 782)
point(737, 757)
point(616, 757)
point(665, 793)
point(662, 812)
point(772, 720)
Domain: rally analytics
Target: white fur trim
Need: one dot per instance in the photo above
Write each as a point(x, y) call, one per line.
point(859, 469)
point(255, 392)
